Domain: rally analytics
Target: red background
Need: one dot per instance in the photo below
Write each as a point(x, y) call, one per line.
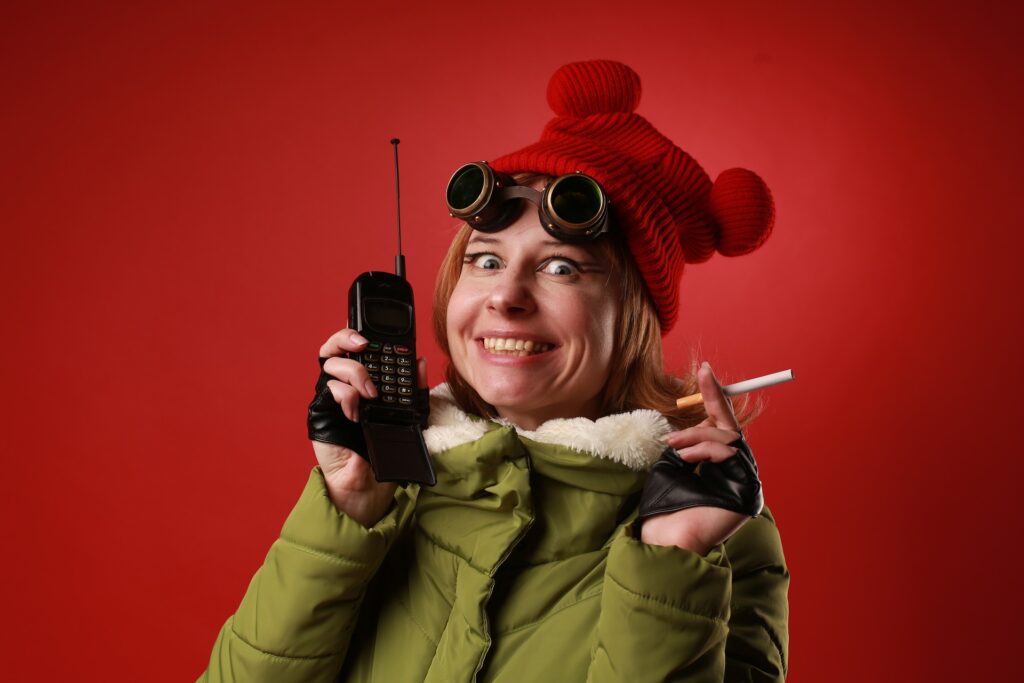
point(187, 193)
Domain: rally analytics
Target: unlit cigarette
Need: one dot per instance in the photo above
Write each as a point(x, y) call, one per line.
point(740, 387)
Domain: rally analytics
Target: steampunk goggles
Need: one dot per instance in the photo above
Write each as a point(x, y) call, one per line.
point(573, 208)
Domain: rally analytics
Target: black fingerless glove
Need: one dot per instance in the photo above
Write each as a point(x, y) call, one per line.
point(327, 423)
point(675, 484)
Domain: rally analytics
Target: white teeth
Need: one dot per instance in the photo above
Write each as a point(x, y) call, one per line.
point(514, 347)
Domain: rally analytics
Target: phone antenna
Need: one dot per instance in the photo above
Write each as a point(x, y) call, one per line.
point(399, 259)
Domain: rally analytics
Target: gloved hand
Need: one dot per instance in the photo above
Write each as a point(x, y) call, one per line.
point(337, 437)
point(327, 423)
point(731, 484)
point(698, 496)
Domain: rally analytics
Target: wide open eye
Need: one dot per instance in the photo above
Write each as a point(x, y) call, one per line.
point(560, 266)
point(484, 261)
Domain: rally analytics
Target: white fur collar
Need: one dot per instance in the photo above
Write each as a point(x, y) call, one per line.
point(634, 439)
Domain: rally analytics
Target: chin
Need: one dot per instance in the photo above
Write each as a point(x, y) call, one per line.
point(513, 395)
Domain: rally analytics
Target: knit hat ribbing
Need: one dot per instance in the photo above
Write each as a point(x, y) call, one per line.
point(663, 201)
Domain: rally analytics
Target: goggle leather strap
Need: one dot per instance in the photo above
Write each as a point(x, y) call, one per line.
point(521, 192)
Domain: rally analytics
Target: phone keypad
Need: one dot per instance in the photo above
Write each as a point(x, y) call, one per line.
point(391, 368)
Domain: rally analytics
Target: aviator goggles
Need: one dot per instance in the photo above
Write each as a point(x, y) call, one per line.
point(573, 208)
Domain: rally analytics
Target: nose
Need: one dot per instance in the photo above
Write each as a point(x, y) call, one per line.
point(512, 294)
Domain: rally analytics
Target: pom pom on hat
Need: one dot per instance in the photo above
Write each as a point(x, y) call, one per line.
point(585, 88)
point(663, 201)
point(742, 205)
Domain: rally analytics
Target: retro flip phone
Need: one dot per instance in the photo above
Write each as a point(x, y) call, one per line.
point(380, 307)
point(389, 432)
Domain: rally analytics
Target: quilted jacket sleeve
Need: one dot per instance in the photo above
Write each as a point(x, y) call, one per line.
point(758, 646)
point(665, 611)
point(297, 616)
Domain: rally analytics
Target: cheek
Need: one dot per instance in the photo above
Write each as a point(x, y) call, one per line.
point(602, 319)
point(457, 319)
point(603, 311)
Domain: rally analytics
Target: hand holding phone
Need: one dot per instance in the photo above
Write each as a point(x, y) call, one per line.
point(336, 433)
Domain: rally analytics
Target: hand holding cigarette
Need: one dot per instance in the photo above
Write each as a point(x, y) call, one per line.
point(740, 387)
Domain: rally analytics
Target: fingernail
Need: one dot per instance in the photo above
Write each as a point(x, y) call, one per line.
point(359, 339)
point(706, 364)
point(370, 389)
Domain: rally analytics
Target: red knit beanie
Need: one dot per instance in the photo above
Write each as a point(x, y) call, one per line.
point(662, 200)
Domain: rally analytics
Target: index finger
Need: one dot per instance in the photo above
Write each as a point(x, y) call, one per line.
point(716, 403)
point(342, 342)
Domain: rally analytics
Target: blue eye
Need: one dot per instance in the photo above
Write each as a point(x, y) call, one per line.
point(561, 266)
point(484, 261)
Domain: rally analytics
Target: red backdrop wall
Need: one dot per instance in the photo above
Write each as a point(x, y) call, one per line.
point(188, 191)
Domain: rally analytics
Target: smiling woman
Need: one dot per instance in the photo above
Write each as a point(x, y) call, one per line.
point(635, 377)
point(519, 288)
point(566, 537)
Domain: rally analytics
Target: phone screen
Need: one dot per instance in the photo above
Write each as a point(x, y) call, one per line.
point(388, 317)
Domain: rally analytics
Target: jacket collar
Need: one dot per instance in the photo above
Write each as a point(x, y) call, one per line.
point(634, 439)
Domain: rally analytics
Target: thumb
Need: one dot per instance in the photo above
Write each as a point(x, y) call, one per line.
point(421, 373)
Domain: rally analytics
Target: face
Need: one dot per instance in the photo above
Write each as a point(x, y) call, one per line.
point(531, 325)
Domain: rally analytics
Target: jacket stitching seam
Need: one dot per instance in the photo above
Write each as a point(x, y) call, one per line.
point(437, 542)
point(275, 655)
point(772, 635)
point(547, 616)
point(665, 603)
point(423, 631)
point(533, 565)
point(319, 553)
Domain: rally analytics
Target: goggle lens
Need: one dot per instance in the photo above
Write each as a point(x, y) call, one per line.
point(466, 187)
point(576, 200)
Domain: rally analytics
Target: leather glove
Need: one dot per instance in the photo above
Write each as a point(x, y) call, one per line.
point(675, 484)
point(327, 423)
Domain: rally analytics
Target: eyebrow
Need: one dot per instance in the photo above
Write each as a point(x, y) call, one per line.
point(483, 239)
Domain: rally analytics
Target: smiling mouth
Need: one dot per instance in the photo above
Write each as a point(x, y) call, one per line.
point(515, 347)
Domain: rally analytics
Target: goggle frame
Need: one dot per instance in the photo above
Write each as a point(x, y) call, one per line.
point(494, 207)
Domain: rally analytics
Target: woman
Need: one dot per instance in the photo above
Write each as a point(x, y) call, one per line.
point(556, 545)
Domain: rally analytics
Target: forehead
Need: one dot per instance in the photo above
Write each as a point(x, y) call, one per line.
point(526, 233)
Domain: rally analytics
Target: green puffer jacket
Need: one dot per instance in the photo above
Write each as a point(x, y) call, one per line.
point(517, 566)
